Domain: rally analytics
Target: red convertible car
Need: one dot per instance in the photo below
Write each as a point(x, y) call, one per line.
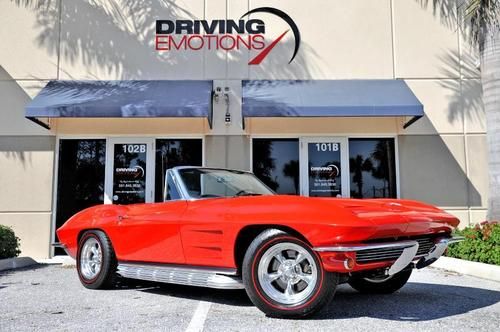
point(225, 229)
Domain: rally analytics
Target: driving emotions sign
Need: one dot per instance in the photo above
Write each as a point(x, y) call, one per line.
point(228, 35)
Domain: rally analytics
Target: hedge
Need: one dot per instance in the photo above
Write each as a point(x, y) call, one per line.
point(9, 243)
point(481, 244)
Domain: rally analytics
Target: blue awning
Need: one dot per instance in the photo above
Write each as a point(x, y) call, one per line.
point(120, 99)
point(330, 98)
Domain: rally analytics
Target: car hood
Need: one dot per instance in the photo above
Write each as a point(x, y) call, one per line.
point(401, 216)
point(387, 217)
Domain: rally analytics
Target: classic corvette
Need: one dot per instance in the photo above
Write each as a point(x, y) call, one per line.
point(225, 229)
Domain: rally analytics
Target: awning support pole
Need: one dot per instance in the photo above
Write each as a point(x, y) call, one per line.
point(38, 122)
point(211, 110)
point(411, 121)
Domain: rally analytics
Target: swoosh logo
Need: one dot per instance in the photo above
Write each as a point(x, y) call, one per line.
point(284, 16)
point(335, 170)
point(141, 172)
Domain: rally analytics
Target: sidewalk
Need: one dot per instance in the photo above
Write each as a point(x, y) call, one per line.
point(480, 270)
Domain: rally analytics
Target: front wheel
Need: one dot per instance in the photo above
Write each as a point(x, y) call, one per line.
point(96, 261)
point(284, 277)
point(382, 284)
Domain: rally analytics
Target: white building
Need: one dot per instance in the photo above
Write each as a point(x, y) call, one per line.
point(411, 51)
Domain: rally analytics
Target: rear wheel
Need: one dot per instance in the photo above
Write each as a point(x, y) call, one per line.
point(380, 284)
point(284, 277)
point(96, 261)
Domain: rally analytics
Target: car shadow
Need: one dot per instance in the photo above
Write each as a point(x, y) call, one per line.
point(415, 302)
point(235, 297)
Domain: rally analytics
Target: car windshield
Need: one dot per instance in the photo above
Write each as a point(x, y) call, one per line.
point(206, 183)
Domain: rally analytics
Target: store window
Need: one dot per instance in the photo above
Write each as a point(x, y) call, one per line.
point(175, 152)
point(80, 178)
point(372, 168)
point(276, 163)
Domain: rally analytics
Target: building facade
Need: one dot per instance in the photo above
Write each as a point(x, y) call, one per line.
point(48, 174)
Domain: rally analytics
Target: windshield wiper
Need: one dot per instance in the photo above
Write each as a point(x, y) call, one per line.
point(246, 193)
point(209, 196)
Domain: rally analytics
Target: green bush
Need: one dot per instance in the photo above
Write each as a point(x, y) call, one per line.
point(481, 244)
point(9, 243)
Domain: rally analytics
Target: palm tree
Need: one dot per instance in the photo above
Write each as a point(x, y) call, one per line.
point(264, 164)
point(383, 154)
point(358, 165)
point(291, 170)
point(481, 18)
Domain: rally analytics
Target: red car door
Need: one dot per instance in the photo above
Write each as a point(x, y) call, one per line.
point(205, 231)
point(150, 233)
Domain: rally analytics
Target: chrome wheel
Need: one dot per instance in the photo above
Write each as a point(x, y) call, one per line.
point(287, 273)
point(90, 258)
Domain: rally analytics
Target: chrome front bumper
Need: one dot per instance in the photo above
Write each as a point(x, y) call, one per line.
point(440, 247)
point(406, 252)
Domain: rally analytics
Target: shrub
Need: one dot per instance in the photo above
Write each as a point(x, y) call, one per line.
point(481, 244)
point(9, 243)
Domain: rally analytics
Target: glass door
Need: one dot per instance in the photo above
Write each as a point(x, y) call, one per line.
point(324, 167)
point(80, 179)
point(129, 171)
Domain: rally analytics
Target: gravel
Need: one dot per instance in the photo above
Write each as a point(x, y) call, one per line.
point(50, 297)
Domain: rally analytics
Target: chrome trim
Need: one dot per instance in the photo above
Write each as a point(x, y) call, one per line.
point(182, 186)
point(361, 247)
point(455, 239)
point(287, 280)
point(90, 259)
point(404, 260)
point(410, 249)
point(216, 168)
point(441, 244)
point(207, 269)
point(168, 173)
point(174, 274)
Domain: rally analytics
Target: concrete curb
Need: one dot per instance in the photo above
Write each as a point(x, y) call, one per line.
point(65, 261)
point(480, 270)
point(16, 263)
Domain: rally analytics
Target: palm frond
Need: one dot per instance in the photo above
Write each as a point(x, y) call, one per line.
point(480, 17)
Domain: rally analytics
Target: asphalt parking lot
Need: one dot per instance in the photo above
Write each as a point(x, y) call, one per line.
point(50, 297)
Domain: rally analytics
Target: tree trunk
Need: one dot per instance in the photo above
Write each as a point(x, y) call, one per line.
point(490, 77)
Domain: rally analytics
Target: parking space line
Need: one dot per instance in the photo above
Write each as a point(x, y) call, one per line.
point(197, 322)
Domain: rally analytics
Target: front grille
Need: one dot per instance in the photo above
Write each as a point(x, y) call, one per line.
point(425, 245)
point(377, 255)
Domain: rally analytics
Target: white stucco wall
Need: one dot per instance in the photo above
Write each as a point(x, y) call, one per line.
point(358, 39)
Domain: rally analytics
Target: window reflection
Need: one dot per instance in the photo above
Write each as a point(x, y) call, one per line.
point(324, 169)
point(171, 153)
point(372, 168)
point(276, 163)
point(80, 178)
point(129, 173)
